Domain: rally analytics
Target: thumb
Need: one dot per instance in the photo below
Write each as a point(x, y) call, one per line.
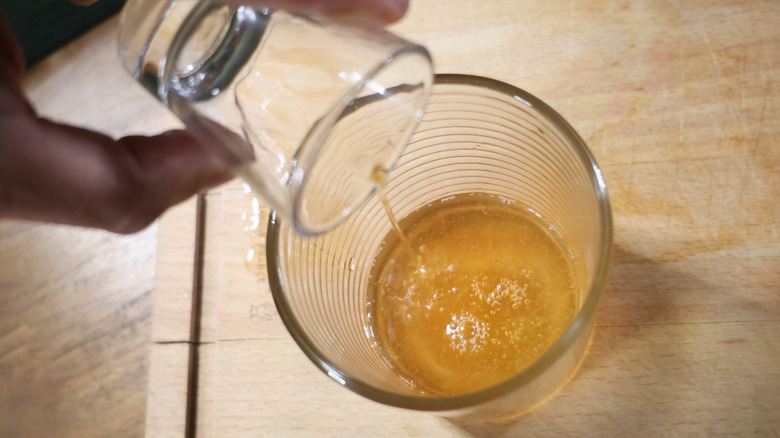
point(63, 174)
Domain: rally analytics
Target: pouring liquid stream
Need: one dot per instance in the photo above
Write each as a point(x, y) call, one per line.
point(484, 291)
point(380, 179)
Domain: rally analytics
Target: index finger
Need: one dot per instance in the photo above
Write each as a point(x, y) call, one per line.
point(372, 11)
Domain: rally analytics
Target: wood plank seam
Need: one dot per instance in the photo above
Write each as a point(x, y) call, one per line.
point(197, 302)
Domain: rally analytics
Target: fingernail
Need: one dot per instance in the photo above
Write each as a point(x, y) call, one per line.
point(398, 8)
point(369, 13)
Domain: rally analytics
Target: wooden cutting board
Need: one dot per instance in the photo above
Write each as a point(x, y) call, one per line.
point(680, 103)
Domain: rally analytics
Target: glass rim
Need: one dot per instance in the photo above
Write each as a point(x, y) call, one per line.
point(312, 145)
point(547, 359)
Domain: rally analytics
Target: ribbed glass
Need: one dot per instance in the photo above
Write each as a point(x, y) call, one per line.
point(477, 135)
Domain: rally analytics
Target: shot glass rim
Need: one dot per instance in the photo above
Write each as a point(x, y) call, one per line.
point(140, 27)
point(312, 145)
point(514, 383)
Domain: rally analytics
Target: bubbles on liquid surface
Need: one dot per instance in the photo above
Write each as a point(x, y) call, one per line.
point(488, 292)
point(466, 332)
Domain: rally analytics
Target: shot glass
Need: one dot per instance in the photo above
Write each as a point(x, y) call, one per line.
point(478, 135)
point(303, 109)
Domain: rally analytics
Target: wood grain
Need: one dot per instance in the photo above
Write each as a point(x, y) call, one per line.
point(74, 329)
point(680, 103)
point(642, 375)
point(75, 308)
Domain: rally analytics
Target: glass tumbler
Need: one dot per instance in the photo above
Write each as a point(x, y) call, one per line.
point(303, 109)
point(478, 135)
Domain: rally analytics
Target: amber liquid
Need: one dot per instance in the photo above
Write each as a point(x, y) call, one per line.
point(482, 290)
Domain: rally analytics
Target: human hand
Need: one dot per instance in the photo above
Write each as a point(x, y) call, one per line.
point(63, 174)
point(357, 11)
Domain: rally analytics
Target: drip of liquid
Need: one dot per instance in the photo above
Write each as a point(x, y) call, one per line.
point(380, 179)
point(254, 216)
point(497, 290)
